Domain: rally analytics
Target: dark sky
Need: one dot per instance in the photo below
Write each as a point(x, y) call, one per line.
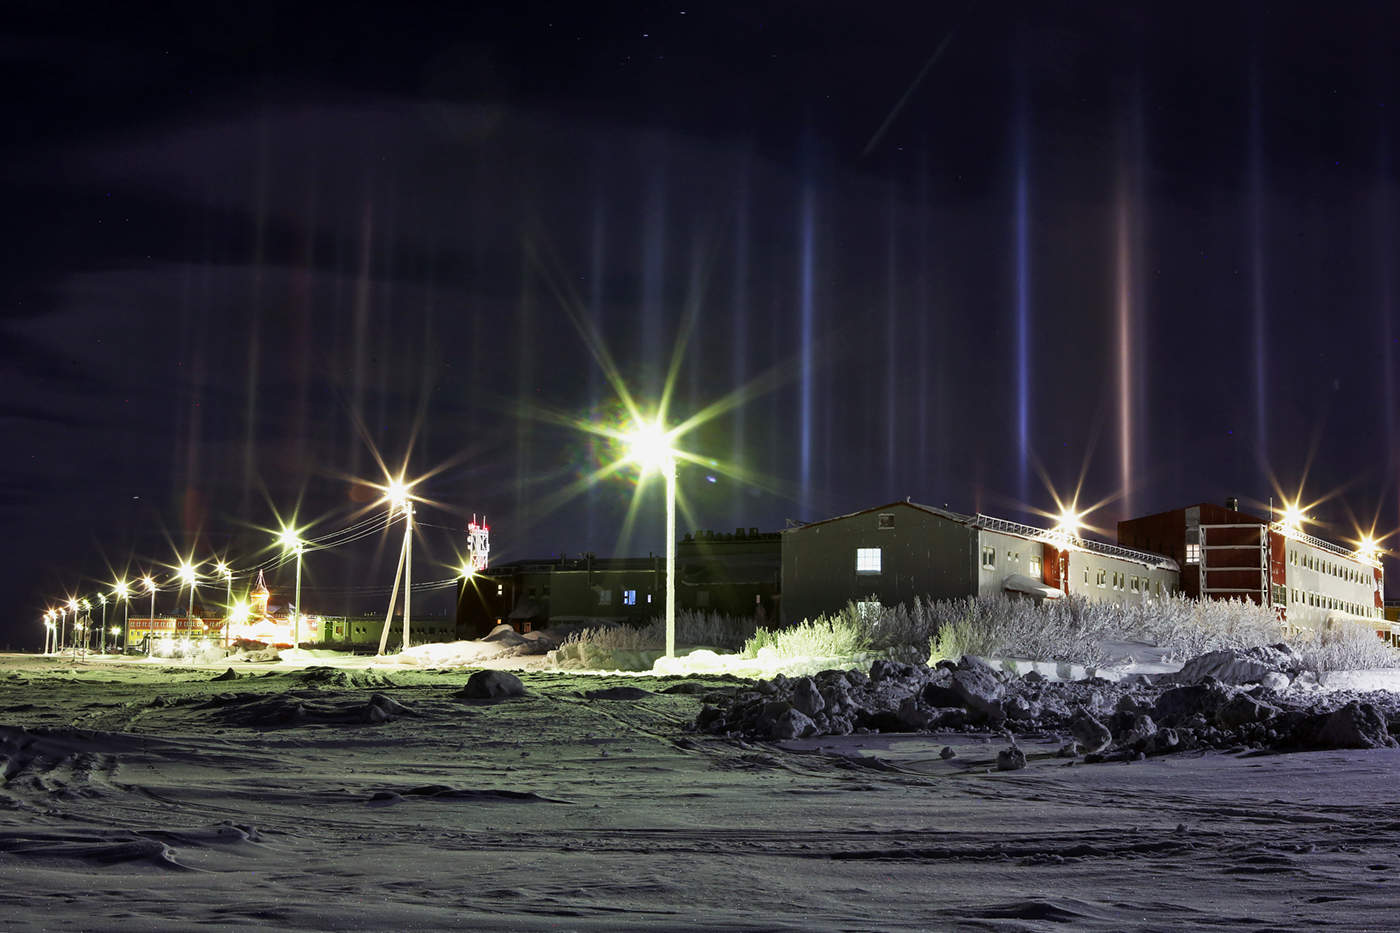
point(967, 250)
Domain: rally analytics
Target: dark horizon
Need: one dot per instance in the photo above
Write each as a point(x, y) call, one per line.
point(980, 253)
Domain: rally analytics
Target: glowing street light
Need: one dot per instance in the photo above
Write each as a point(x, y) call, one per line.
point(189, 578)
point(1369, 550)
point(649, 446)
point(122, 591)
point(226, 572)
point(48, 631)
point(102, 632)
point(290, 539)
point(1293, 517)
point(400, 500)
point(73, 608)
point(151, 624)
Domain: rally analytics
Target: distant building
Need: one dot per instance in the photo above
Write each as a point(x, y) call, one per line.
point(736, 574)
point(1227, 553)
point(893, 553)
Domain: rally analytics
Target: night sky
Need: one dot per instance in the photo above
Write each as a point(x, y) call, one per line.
point(966, 253)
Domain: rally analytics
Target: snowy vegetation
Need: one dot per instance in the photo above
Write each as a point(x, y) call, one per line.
point(709, 629)
point(1072, 629)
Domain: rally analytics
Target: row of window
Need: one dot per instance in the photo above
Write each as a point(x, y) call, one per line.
point(1295, 597)
point(1123, 581)
point(1311, 561)
point(989, 559)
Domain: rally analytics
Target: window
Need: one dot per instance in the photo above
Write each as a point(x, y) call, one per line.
point(629, 597)
point(1013, 556)
point(867, 560)
point(604, 597)
point(1135, 585)
point(1193, 553)
point(886, 521)
point(1086, 576)
point(499, 589)
point(1035, 566)
point(1159, 587)
point(989, 558)
point(1100, 578)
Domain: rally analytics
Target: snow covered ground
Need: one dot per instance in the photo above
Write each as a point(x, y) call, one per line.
point(143, 795)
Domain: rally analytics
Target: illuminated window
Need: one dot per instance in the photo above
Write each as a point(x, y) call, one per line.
point(1035, 566)
point(629, 597)
point(989, 558)
point(1101, 578)
point(867, 560)
point(1193, 553)
point(1135, 585)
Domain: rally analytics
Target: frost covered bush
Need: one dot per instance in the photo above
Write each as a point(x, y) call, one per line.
point(1063, 630)
point(692, 628)
point(1188, 627)
point(843, 634)
point(1344, 645)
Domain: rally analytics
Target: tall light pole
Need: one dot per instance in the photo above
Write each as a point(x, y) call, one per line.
point(48, 631)
point(649, 446)
point(102, 598)
point(189, 578)
point(223, 569)
point(123, 592)
point(399, 499)
point(151, 622)
point(73, 608)
point(291, 541)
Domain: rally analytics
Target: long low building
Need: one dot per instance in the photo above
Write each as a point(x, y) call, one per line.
point(894, 553)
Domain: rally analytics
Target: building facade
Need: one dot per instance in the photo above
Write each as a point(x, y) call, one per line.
point(1228, 553)
point(730, 574)
point(894, 553)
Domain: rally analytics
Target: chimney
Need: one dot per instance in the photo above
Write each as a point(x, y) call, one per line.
point(1232, 503)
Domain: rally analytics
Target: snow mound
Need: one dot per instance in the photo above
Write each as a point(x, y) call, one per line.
point(446, 655)
point(492, 685)
point(289, 709)
point(341, 677)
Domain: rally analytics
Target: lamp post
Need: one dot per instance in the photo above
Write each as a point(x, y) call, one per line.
point(223, 569)
point(649, 446)
point(86, 626)
point(398, 497)
point(189, 578)
point(102, 599)
point(48, 631)
point(151, 622)
point(123, 592)
point(73, 608)
point(291, 541)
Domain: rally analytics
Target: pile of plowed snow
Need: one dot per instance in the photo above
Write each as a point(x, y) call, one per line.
point(1257, 698)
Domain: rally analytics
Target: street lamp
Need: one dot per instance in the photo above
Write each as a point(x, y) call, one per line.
point(73, 608)
point(223, 570)
point(123, 592)
point(151, 623)
point(188, 577)
point(87, 626)
point(291, 541)
point(397, 495)
point(102, 599)
point(649, 446)
point(48, 631)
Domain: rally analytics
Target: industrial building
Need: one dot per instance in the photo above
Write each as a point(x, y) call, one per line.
point(1228, 553)
point(893, 553)
point(731, 574)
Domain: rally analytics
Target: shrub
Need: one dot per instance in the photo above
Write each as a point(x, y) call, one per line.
point(692, 628)
point(1344, 645)
point(841, 635)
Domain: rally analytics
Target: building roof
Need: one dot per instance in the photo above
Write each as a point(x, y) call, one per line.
point(1005, 526)
point(906, 503)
